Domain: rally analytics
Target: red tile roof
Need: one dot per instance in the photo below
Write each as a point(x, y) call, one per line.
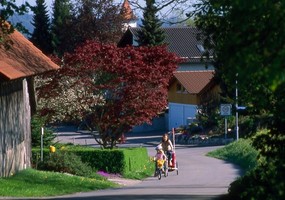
point(22, 59)
point(194, 81)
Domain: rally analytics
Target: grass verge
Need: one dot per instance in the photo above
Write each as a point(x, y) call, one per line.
point(240, 153)
point(34, 183)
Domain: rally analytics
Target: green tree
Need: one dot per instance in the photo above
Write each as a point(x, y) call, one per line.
point(37, 123)
point(151, 33)
point(61, 27)
point(41, 37)
point(7, 9)
point(248, 44)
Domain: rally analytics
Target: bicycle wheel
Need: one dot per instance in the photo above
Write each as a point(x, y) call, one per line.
point(159, 174)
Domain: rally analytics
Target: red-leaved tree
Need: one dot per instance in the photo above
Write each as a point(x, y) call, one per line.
point(117, 88)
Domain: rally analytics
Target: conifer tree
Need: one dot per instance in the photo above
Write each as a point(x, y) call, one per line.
point(61, 26)
point(151, 33)
point(41, 37)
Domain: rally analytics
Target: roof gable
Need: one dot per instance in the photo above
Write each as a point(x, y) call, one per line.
point(22, 59)
point(127, 12)
point(194, 81)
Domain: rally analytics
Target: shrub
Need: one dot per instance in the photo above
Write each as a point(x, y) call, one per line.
point(37, 123)
point(129, 162)
point(67, 162)
point(264, 182)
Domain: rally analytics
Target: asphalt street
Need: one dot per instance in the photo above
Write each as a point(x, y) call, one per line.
point(197, 177)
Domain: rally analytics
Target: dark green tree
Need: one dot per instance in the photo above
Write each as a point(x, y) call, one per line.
point(151, 33)
point(41, 37)
point(61, 27)
point(248, 44)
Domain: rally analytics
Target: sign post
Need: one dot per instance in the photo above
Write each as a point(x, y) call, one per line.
point(42, 144)
point(226, 110)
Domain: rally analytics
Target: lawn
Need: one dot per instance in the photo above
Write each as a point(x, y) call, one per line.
point(34, 183)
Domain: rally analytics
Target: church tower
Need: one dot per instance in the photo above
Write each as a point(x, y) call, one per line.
point(130, 20)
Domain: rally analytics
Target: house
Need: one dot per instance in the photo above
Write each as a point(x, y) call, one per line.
point(187, 90)
point(19, 62)
point(192, 79)
point(129, 18)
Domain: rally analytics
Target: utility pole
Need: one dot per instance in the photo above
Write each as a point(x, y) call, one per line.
point(237, 131)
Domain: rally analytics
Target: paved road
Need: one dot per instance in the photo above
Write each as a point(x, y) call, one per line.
point(199, 177)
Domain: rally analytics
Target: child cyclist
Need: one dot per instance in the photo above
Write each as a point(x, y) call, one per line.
point(159, 156)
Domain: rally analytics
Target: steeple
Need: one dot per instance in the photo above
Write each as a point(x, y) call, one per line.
point(128, 16)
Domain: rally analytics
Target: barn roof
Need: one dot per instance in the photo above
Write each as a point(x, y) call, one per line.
point(194, 81)
point(22, 59)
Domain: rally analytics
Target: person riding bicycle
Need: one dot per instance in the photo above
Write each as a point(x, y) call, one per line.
point(160, 155)
point(167, 147)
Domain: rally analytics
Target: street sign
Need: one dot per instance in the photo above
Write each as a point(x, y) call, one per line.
point(241, 107)
point(226, 109)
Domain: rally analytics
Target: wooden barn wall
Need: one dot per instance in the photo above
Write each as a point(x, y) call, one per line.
point(15, 128)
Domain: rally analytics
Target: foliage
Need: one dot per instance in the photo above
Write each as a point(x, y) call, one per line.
point(94, 20)
point(255, 62)
point(136, 160)
point(168, 9)
point(61, 26)
point(241, 56)
point(111, 161)
point(140, 173)
point(66, 162)
point(265, 182)
point(34, 183)
point(117, 161)
point(37, 123)
point(150, 32)
point(9, 8)
point(41, 37)
point(266, 179)
point(241, 153)
point(117, 88)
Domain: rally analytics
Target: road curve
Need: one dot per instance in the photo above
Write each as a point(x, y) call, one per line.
point(199, 177)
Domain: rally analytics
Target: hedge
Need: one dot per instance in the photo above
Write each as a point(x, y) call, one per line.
point(124, 160)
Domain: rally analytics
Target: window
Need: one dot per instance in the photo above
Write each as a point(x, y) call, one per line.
point(180, 88)
point(201, 48)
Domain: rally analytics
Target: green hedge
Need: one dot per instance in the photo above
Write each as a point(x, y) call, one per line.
point(120, 161)
point(135, 159)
